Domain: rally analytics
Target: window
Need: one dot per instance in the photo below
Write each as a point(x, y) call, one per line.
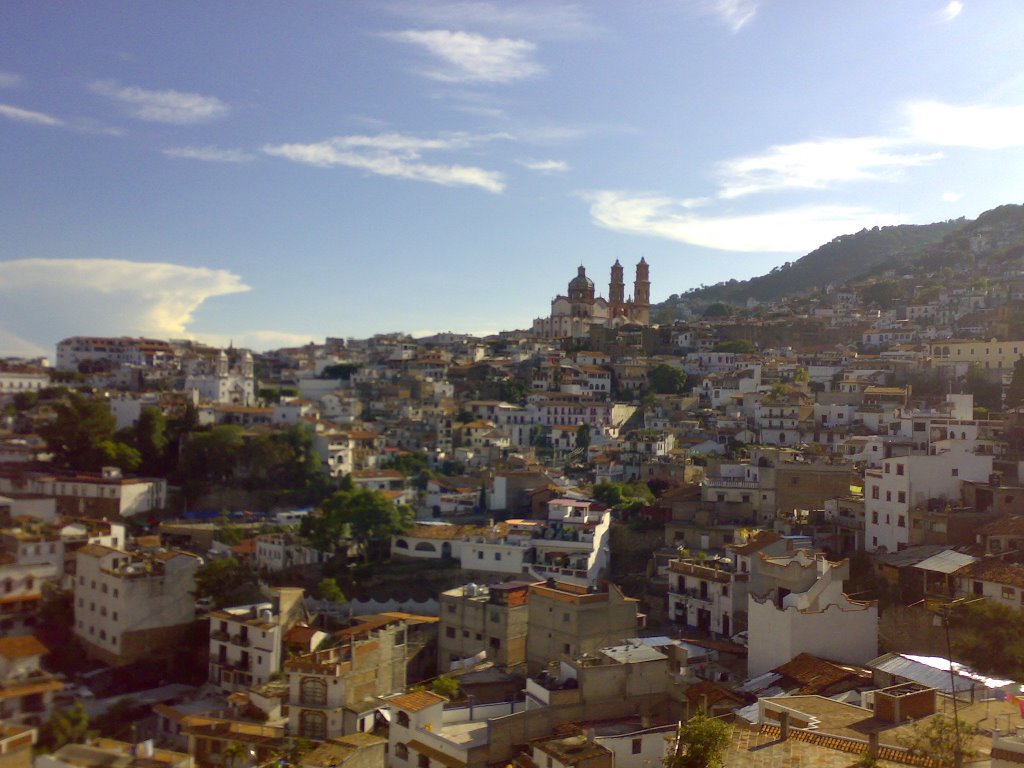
point(480, 554)
point(874, 517)
point(451, 609)
point(899, 469)
point(401, 751)
point(955, 471)
point(1009, 593)
point(313, 724)
point(312, 690)
point(888, 495)
point(465, 634)
point(901, 497)
point(423, 762)
point(565, 617)
point(874, 491)
point(638, 745)
point(901, 521)
point(497, 555)
point(449, 631)
point(567, 649)
point(403, 719)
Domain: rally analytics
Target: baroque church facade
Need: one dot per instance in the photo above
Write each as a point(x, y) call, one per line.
point(573, 314)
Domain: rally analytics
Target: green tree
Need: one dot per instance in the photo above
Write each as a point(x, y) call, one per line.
point(942, 739)
point(989, 637)
point(666, 379)
point(738, 346)
point(65, 726)
point(446, 686)
point(150, 438)
point(329, 590)
point(367, 517)
point(225, 581)
point(23, 401)
point(619, 495)
point(1015, 392)
point(583, 437)
point(341, 371)
point(82, 436)
point(801, 376)
point(212, 456)
point(987, 392)
point(701, 743)
point(718, 309)
point(882, 294)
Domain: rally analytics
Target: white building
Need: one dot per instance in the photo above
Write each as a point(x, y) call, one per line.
point(796, 604)
point(246, 642)
point(128, 605)
point(905, 482)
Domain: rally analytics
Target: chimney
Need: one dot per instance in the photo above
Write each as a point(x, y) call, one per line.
point(784, 726)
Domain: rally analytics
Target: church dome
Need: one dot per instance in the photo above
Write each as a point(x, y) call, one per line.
point(581, 282)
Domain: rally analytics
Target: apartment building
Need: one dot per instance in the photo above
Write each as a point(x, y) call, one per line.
point(486, 622)
point(566, 620)
point(131, 605)
point(334, 692)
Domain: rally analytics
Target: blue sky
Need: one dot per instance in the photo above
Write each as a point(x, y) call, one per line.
point(272, 173)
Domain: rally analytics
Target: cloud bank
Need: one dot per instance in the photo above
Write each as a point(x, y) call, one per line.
point(47, 299)
point(396, 155)
point(469, 57)
point(174, 107)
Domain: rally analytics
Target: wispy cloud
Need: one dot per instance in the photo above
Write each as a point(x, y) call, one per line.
point(175, 107)
point(953, 9)
point(50, 298)
point(951, 197)
point(546, 166)
point(789, 230)
point(210, 154)
point(816, 165)
point(10, 80)
point(28, 116)
point(397, 155)
point(546, 21)
point(735, 14)
point(260, 341)
point(980, 126)
point(469, 57)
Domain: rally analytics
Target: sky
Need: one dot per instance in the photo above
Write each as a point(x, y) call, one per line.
point(271, 173)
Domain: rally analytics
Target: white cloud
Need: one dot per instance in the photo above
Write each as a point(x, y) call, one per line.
point(469, 57)
point(816, 165)
point(548, 20)
point(951, 197)
point(48, 299)
point(394, 154)
point(546, 166)
point(736, 14)
point(979, 126)
point(173, 107)
point(953, 9)
point(792, 230)
point(210, 154)
point(28, 116)
point(10, 80)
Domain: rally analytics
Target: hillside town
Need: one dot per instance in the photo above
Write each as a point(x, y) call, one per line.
point(542, 548)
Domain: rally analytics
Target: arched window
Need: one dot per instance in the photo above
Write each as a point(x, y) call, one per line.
point(401, 751)
point(401, 544)
point(425, 546)
point(312, 690)
point(402, 719)
point(313, 724)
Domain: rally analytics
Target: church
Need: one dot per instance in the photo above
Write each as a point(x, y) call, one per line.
point(572, 315)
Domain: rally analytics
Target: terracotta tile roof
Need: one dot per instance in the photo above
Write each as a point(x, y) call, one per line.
point(994, 570)
point(711, 693)
point(300, 635)
point(20, 647)
point(436, 755)
point(1010, 525)
point(415, 701)
point(815, 675)
point(96, 550)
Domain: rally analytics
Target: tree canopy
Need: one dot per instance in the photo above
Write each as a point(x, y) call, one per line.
point(666, 379)
point(82, 436)
point(631, 494)
point(702, 742)
point(225, 581)
point(364, 516)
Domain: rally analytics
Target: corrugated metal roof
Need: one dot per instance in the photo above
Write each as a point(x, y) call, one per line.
point(946, 562)
point(932, 671)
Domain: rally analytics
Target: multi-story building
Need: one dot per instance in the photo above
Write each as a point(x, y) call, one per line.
point(105, 495)
point(26, 690)
point(334, 691)
point(796, 604)
point(905, 482)
point(488, 621)
point(246, 640)
point(130, 605)
point(33, 555)
point(566, 620)
point(73, 352)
